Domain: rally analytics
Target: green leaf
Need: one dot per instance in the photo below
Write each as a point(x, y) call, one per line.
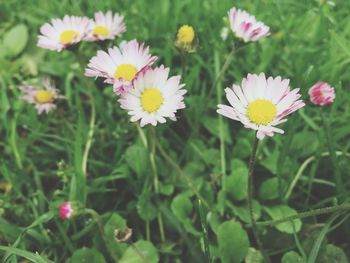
point(269, 189)
point(254, 256)
point(334, 254)
point(282, 211)
point(141, 252)
point(242, 148)
point(15, 40)
point(137, 158)
point(145, 207)
point(243, 212)
point(28, 255)
point(114, 222)
point(236, 184)
point(182, 209)
point(233, 242)
point(86, 255)
point(292, 257)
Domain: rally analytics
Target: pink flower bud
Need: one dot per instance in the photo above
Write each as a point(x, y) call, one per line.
point(321, 94)
point(66, 210)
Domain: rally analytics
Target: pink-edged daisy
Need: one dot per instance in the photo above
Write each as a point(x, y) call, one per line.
point(106, 26)
point(42, 97)
point(121, 65)
point(322, 94)
point(245, 25)
point(154, 97)
point(66, 210)
point(261, 104)
point(62, 33)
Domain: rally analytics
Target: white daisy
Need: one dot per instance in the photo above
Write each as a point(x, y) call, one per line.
point(62, 33)
point(245, 25)
point(106, 26)
point(154, 97)
point(121, 65)
point(42, 97)
point(261, 104)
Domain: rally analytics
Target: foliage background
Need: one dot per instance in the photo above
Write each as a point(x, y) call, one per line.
point(40, 156)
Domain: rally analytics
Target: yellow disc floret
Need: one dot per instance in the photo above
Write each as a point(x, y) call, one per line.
point(125, 71)
point(261, 112)
point(44, 96)
point(68, 36)
point(101, 31)
point(185, 34)
point(151, 100)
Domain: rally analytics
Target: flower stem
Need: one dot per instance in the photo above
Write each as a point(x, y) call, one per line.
point(156, 182)
point(320, 211)
point(204, 231)
point(337, 174)
point(90, 133)
point(222, 71)
point(181, 174)
point(250, 199)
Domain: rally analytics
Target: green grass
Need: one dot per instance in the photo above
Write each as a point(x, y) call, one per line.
point(42, 157)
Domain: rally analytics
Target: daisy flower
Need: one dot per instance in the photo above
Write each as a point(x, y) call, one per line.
point(42, 97)
point(154, 97)
point(106, 26)
point(261, 104)
point(245, 25)
point(121, 65)
point(66, 210)
point(62, 33)
point(321, 94)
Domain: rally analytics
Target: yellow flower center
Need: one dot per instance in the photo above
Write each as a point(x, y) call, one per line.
point(125, 71)
point(261, 112)
point(185, 34)
point(100, 31)
point(68, 36)
point(44, 96)
point(151, 100)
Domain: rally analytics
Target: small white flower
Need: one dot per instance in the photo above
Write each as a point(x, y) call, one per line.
point(245, 25)
point(42, 97)
point(106, 26)
point(154, 97)
point(62, 33)
point(121, 65)
point(261, 104)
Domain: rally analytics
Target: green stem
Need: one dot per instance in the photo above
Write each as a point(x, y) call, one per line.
point(67, 241)
point(13, 143)
point(90, 133)
point(250, 198)
point(222, 71)
point(156, 182)
point(181, 174)
point(148, 231)
point(204, 231)
point(320, 211)
point(337, 174)
point(97, 219)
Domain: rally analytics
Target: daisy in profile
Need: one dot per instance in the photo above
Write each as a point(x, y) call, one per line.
point(43, 98)
point(62, 33)
point(321, 94)
point(106, 26)
point(261, 104)
point(154, 97)
point(121, 65)
point(66, 210)
point(245, 26)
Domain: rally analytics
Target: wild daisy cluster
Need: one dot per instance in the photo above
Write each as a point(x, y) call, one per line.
point(63, 33)
point(148, 94)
